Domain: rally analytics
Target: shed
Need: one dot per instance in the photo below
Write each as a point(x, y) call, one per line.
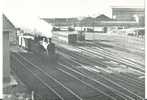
point(8, 28)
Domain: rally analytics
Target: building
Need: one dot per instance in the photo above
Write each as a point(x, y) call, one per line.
point(8, 32)
point(69, 30)
point(129, 14)
point(122, 18)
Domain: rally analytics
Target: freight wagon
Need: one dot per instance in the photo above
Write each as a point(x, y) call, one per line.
point(65, 37)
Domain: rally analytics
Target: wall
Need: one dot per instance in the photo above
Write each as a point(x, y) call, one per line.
point(6, 56)
point(12, 38)
point(8, 28)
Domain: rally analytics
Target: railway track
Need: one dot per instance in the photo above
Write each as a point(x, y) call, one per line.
point(100, 59)
point(109, 86)
point(95, 84)
point(140, 71)
point(30, 79)
point(114, 88)
point(137, 67)
point(61, 78)
point(107, 51)
point(103, 77)
point(119, 44)
point(48, 81)
point(103, 55)
point(122, 58)
point(112, 58)
point(78, 59)
point(96, 48)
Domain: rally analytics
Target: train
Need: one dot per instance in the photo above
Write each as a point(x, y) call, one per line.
point(39, 45)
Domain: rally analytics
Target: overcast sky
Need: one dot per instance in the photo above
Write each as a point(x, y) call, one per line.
point(25, 13)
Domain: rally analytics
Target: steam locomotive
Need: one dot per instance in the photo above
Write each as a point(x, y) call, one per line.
point(40, 45)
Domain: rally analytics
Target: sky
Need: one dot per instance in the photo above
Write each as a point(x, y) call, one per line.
point(26, 13)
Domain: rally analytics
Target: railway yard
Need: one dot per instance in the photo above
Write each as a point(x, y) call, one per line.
point(76, 50)
point(110, 68)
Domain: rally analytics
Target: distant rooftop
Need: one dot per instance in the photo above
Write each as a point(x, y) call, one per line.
point(101, 20)
point(76, 21)
point(61, 21)
point(7, 24)
point(128, 9)
point(103, 17)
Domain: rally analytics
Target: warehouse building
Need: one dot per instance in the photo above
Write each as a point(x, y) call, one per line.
point(129, 14)
point(70, 30)
point(87, 27)
point(9, 34)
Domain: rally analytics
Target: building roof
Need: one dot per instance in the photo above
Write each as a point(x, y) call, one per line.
point(109, 23)
point(101, 20)
point(127, 9)
point(7, 24)
point(103, 17)
point(75, 21)
point(87, 19)
point(61, 21)
point(117, 23)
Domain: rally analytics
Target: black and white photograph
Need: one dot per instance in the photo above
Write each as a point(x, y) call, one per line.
point(73, 50)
